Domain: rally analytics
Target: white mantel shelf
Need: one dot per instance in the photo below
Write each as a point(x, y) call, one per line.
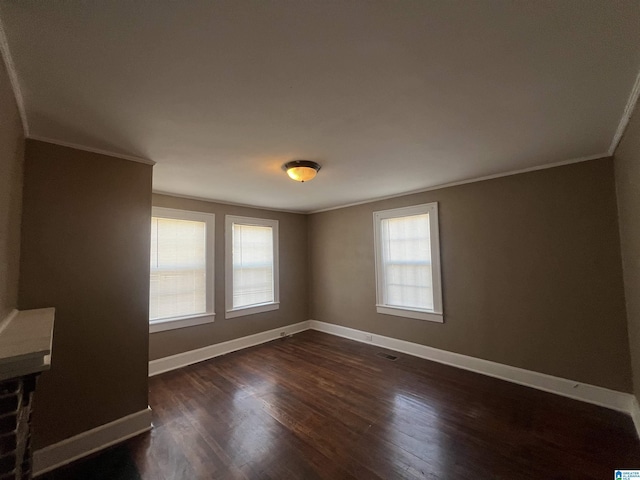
point(25, 342)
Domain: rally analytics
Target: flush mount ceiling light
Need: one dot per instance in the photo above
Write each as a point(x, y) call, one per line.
point(301, 170)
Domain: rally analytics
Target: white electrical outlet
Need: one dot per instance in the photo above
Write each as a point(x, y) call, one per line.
point(368, 338)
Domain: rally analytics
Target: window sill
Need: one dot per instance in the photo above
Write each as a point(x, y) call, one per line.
point(241, 312)
point(181, 322)
point(417, 314)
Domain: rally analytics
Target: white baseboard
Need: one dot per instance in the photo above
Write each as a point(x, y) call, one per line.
point(635, 414)
point(180, 360)
point(621, 401)
point(561, 386)
point(91, 441)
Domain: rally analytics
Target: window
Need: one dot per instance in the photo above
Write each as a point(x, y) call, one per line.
point(251, 265)
point(408, 262)
point(181, 289)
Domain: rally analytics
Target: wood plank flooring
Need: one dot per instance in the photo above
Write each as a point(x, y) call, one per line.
point(315, 406)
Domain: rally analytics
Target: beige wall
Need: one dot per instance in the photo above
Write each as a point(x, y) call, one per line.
point(293, 281)
point(85, 251)
point(531, 270)
point(11, 160)
point(627, 167)
point(531, 273)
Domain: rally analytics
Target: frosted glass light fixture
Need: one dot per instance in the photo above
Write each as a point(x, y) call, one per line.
point(301, 170)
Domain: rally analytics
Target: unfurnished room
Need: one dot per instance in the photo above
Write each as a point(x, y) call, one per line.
point(308, 239)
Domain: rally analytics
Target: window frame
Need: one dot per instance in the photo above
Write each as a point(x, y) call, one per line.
point(163, 324)
point(230, 311)
point(435, 315)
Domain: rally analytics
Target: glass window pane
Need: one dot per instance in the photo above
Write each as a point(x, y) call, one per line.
point(406, 262)
point(178, 268)
point(252, 265)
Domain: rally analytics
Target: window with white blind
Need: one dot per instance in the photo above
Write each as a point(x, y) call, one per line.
point(251, 255)
point(181, 287)
point(407, 251)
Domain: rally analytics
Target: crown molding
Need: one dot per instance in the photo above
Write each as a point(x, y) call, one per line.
point(626, 115)
point(362, 202)
point(402, 194)
point(13, 78)
point(224, 202)
point(470, 180)
point(109, 153)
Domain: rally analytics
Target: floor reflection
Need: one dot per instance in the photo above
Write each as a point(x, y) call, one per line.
point(415, 427)
point(255, 437)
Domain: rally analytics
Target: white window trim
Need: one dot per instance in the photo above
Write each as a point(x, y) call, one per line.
point(435, 315)
point(252, 309)
point(172, 323)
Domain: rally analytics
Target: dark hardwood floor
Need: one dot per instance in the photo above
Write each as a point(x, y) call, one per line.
point(318, 406)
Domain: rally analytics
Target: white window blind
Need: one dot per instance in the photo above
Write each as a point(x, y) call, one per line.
point(253, 265)
point(406, 260)
point(178, 268)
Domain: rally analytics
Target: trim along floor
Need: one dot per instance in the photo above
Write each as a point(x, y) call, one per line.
point(319, 406)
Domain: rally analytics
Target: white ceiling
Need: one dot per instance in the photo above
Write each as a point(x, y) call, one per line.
point(389, 96)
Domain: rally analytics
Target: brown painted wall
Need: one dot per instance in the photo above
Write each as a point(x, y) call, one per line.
point(85, 251)
point(11, 160)
point(293, 281)
point(627, 166)
point(531, 273)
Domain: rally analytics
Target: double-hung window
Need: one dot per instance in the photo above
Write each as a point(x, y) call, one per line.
point(407, 251)
point(181, 287)
point(251, 265)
